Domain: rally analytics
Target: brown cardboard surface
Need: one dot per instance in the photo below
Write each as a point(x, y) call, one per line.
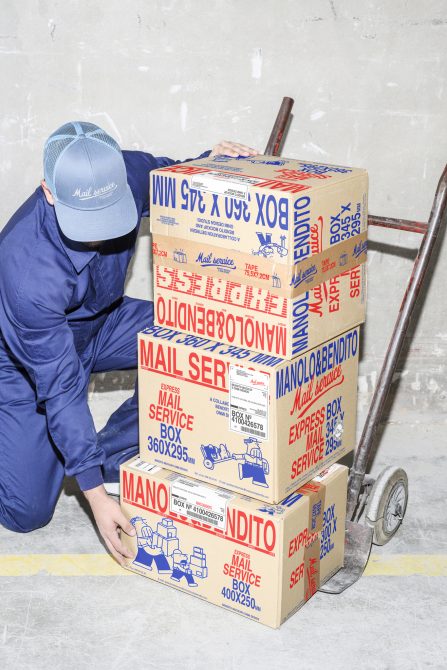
point(256, 560)
point(257, 318)
point(263, 253)
point(270, 215)
point(311, 566)
point(288, 281)
point(252, 423)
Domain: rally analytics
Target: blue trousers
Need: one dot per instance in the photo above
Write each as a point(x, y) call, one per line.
point(31, 468)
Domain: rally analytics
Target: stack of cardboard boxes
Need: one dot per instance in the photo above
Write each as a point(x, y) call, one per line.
point(248, 380)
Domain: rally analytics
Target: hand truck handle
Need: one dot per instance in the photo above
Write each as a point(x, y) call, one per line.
point(274, 143)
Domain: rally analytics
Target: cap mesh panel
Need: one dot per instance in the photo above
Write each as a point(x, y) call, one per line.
point(53, 151)
point(67, 129)
point(102, 137)
point(57, 143)
point(88, 127)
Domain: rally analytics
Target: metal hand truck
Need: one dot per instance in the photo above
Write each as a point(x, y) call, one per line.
point(376, 507)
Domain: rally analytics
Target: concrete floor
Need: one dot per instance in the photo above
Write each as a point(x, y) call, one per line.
point(114, 621)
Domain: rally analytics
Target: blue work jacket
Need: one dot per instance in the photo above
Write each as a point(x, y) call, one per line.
point(53, 292)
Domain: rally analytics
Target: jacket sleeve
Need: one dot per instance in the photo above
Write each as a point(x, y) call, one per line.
point(38, 335)
point(139, 164)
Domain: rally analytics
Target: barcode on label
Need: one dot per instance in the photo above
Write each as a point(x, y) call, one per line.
point(249, 402)
point(211, 522)
point(139, 464)
point(252, 431)
point(194, 500)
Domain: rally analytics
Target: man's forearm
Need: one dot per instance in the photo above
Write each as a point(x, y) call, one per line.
point(95, 494)
point(110, 521)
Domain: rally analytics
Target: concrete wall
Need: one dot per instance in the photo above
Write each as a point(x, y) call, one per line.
point(174, 76)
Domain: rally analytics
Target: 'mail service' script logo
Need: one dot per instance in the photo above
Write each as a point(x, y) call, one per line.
point(301, 276)
point(91, 192)
point(360, 249)
point(306, 397)
point(209, 260)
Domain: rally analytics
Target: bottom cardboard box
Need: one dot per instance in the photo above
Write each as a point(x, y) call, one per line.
point(259, 560)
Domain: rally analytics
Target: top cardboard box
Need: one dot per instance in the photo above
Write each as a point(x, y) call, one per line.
point(276, 223)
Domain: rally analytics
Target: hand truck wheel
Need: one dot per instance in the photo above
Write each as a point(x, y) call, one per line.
point(387, 504)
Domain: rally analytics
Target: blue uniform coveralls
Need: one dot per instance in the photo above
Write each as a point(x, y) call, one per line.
point(63, 316)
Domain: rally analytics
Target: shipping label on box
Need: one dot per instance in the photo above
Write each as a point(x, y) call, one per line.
point(258, 560)
point(255, 318)
point(252, 423)
point(275, 223)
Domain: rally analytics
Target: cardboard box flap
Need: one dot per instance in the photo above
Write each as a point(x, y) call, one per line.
point(232, 176)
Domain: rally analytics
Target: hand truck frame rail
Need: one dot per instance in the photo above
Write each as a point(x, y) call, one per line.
point(376, 507)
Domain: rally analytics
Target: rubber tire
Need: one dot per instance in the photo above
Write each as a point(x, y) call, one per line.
point(379, 499)
point(208, 463)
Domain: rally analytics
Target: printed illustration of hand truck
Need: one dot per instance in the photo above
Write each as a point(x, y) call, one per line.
point(213, 455)
point(252, 465)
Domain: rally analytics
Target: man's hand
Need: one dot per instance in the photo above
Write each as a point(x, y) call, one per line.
point(225, 148)
point(109, 519)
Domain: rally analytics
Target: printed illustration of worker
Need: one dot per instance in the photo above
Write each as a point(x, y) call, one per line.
point(148, 550)
point(252, 463)
point(162, 547)
point(187, 568)
point(253, 466)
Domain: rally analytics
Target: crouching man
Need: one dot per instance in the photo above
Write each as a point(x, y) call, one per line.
point(63, 262)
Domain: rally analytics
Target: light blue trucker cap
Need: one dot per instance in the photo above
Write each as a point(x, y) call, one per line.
point(85, 171)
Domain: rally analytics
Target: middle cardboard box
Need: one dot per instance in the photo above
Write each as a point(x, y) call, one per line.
point(249, 422)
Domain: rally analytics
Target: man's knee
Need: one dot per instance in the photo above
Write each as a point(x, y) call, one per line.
point(21, 517)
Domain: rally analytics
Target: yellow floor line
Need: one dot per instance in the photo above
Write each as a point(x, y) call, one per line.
point(102, 565)
point(60, 565)
point(401, 565)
